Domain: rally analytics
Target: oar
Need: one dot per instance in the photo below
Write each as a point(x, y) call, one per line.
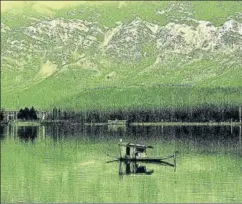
point(167, 157)
point(112, 161)
point(166, 164)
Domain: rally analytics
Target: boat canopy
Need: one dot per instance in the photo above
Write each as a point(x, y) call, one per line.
point(140, 146)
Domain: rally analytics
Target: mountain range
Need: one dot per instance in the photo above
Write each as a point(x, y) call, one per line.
point(93, 53)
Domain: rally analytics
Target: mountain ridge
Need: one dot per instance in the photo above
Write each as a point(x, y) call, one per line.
point(89, 54)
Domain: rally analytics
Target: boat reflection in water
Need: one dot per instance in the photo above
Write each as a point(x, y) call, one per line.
point(127, 168)
point(139, 168)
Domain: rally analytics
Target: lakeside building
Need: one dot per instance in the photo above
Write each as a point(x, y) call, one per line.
point(42, 114)
point(10, 115)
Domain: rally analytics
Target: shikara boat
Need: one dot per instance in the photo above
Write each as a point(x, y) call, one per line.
point(130, 152)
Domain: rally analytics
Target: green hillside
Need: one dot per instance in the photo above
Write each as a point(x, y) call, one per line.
point(122, 55)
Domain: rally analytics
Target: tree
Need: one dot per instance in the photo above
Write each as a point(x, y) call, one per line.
point(27, 114)
point(1, 115)
point(20, 114)
point(32, 114)
point(59, 113)
point(54, 112)
point(65, 115)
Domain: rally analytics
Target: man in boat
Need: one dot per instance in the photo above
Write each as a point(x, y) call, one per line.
point(140, 151)
point(136, 150)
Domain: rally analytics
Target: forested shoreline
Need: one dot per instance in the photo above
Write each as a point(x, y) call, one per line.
point(206, 113)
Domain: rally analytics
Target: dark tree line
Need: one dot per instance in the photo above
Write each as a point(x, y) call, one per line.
point(55, 114)
point(206, 113)
point(27, 114)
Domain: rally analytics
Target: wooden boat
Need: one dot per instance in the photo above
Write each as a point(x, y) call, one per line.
point(130, 152)
point(146, 159)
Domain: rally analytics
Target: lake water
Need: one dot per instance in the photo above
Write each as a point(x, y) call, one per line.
point(68, 164)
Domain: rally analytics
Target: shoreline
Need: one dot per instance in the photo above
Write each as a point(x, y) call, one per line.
point(187, 124)
point(39, 123)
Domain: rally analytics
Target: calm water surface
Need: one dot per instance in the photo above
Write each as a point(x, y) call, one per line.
point(68, 164)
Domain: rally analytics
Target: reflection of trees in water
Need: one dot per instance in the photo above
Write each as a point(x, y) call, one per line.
point(72, 131)
point(2, 130)
point(208, 133)
point(200, 135)
point(240, 137)
point(185, 132)
point(27, 133)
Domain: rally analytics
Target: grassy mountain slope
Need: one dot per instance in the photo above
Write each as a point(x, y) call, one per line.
point(122, 54)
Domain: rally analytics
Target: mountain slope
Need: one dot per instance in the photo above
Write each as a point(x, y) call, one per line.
point(49, 59)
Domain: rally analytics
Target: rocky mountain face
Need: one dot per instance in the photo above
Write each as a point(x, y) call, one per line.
point(51, 47)
point(63, 42)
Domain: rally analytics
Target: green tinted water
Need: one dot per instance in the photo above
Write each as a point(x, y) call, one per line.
point(69, 165)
